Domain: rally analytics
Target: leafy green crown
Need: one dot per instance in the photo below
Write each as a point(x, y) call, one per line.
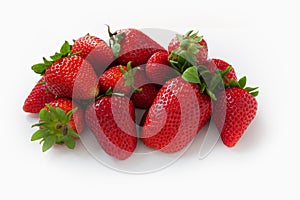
point(54, 128)
point(65, 50)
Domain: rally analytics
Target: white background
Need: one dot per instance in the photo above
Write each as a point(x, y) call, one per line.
point(259, 38)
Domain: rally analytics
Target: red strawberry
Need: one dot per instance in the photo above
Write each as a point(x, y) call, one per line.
point(72, 77)
point(132, 45)
point(38, 97)
point(158, 69)
point(95, 51)
point(177, 114)
point(214, 64)
point(113, 78)
point(233, 112)
point(68, 75)
point(60, 123)
point(144, 92)
point(111, 119)
point(190, 43)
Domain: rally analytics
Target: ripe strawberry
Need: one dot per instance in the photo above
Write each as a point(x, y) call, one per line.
point(158, 68)
point(218, 64)
point(190, 43)
point(234, 110)
point(111, 119)
point(113, 78)
point(177, 114)
point(132, 45)
point(69, 75)
point(72, 77)
point(60, 123)
point(95, 51)
point(38, 97)
point(146, 92)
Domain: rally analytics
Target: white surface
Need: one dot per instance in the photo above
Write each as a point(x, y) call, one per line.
point(260, 39)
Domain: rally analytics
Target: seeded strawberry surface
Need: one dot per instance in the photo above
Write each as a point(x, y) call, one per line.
point(136, 47)
point(233, 112)
point(113, 78)
point(214, 64)
point(95, 51)
point(111, 119)
point(177, 114)
point(38, 97)
point(72, 77)
point(158, 69)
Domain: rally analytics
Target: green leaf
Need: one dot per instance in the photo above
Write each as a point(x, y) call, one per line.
point(43, 114)
point(66, 48)
point(47, 62)
point(191, 75)
point(49, 142)
point(72, 133)
point(71, 112)
point(242, 82)
point(39, 134)
point(250, 89)
point(189, 33)
point(38, 124)
point(39, 68)
point(56, 56)
point(116, 48)
point(233, 83)
point(70, 142)
point(255, 94)
point(211, 94)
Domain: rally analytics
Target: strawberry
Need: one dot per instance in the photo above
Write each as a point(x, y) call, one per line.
point(60, 123)
point(177, 114)
point(132, 45)
point(72, 77)
point(68, 75)
point(234, 110)
point(190, 43)
point(218, 64)
point(111, 119)
point(158, 68)
point(95, 51)
point(113, 78)
point(38, 97)
point(146, 92)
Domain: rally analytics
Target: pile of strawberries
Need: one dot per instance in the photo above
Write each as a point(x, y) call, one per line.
point(99, 85)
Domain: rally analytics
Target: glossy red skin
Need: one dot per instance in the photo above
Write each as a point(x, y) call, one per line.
point(233, 112)
point(144, 98)
point(201, 56)
point(111, 119)
point(136, 47)
point(158, 69)
point(169, 128)
point(113, 78)
point(77, 121)
point(72, 77)
point(95, 51)
point(214, 64)
point(37, 98)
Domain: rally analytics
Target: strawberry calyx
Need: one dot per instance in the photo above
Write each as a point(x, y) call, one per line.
point(115, 39)
point(65, 50)
point(241, 83)
point(54, 128)
point(185, 55)
point(213, 83)
point(128, 75)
